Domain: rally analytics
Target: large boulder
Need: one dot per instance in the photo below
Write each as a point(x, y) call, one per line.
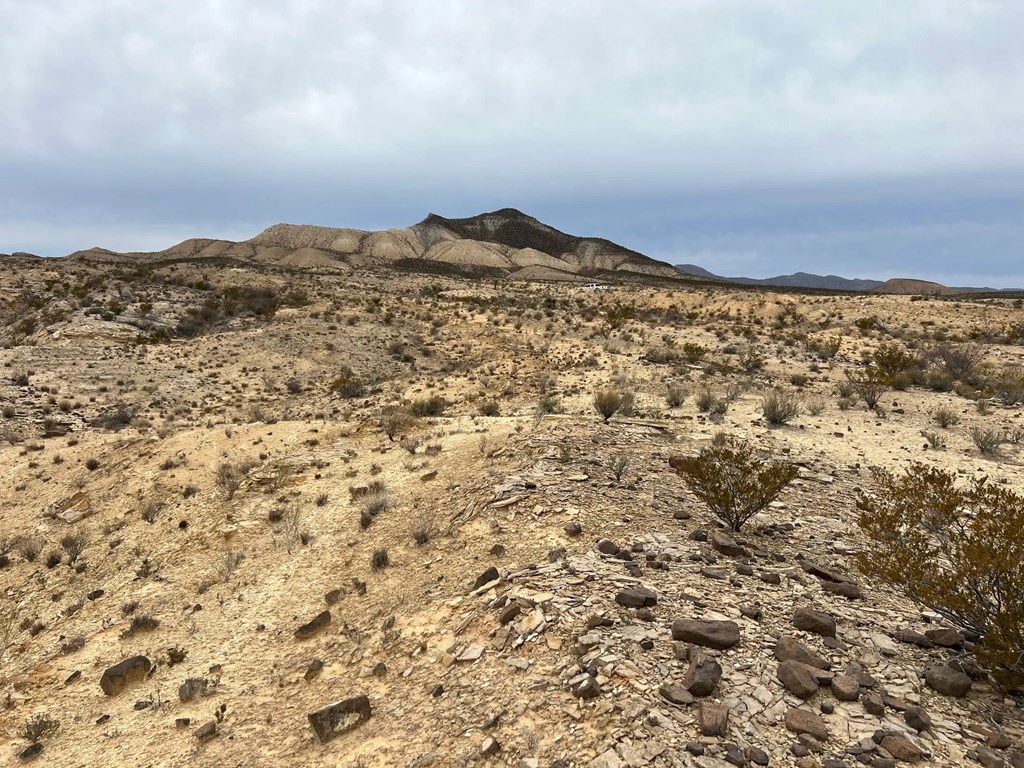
point(816, 622)
point(797, 679)
point(804, 721)
point(948, 681)
point(787, 647)
point(123, 674)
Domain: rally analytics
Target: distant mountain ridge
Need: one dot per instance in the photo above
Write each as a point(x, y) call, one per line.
point(795, 280)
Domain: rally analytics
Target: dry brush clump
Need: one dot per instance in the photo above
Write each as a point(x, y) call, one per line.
point(955, 550)
point(732, 480)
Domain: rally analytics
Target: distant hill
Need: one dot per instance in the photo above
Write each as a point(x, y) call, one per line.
point(506, 242)
point(909, 286)
point(796, 280)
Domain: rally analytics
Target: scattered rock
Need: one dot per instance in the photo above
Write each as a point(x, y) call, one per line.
point(573, 529)
point(703, 676)
point(945, 637)
point(910, 637)
point(491, 574)
point(123, 674)
point(490, 746)
point(207, 730)
point(902, 748)
point(606, 547)
point(948, 681)
point(30, 752)
point(917, 718)
point(714, 719)
point(313, 669)
point(846, 589)
point(816, 622)
point(719, 635)
point(676, 694)
point(585, 687)
point(339, 717)
point(311, 628)
point(722, 542)
point(804, 721)
point(637, 597)
point(787, 648)
point(845, 687)
point(874, 705)
point(797, 679)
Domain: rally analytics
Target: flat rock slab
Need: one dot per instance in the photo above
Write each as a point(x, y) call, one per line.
point(709, 634)
point(637, 597)
point(123, 674)
point(340, 717)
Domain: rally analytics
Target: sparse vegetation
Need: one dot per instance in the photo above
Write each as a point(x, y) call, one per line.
point(779, 408)
point(955, 550)
point(607, 403)
point(733, 481)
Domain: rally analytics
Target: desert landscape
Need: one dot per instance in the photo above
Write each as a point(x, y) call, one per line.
point(420, 498)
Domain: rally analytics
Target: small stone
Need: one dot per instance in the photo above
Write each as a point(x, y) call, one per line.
point(695, 748)
point(676, 694)
point(490, 746)
point(714, 719)
point(31, 752)
point(719, 635)
point(606, 547)
point(770, 577)
point(797, 679)
point(637, 597)
point(722, 542)
point(874, 705)
point(947, 681)
point(509, 612)
point(816, 622)
point(945, 637)
point(313, 669)
point(734, 755)
point(842, 588)
point(804, 721)
point(586, 688)
point(910, 637)
point(311, 628)
point(207, 730)
point(339, 717)
point(573, 529)
point(990, 759)
point(787, 647)
point(917, 718)
point(826, 707)
point(752, 612)
point(703, 676)
point(491, 574)
point(845, 687)
point(756, 755)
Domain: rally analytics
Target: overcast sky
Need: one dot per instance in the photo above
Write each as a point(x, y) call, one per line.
point(868, 138)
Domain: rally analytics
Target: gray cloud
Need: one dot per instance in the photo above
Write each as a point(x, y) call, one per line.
point(127, 122)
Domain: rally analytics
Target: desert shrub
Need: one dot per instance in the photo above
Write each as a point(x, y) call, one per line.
point(939, 381)
point(193, 687)
point(945, 417)
point(607, 402)
point(115, 418)
point(779, 407)
point(825, 348)
point(393, 420)
point(29, 548)
point(868, 384)
point(141, 623)
point(751, 361)
point(434, 405)
point(732, 480)
point(987, 440)
point(548, 404)
point(1008, 386)
point(675, 395)
point(39, 727)
point(956, 551)
point(176, 655)
point(489, 408)
point(706, 400)
point(92, 464)
point(815, 406)
point(892, 359)
point(230, 476)
point(961, 361)
point(380, 559)
point(422, 530)
point(410, 444)
point(347, 385)
point(620, 466)
point(694, 353)
point(74, 544)
point(662, 355)
point(72, 645)
point(935, 440)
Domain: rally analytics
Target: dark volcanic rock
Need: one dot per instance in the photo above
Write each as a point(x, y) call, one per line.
point(340, 717)
point(637, 597)
point(491, 574)
point(947, 681)
point(120, 676)
point(797, 679)
point(790, 648)
point(710, 634)
point(804, 721)
point(816, 622)
point(311, 628)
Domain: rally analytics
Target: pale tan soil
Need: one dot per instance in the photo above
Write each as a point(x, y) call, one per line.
point(515, 479)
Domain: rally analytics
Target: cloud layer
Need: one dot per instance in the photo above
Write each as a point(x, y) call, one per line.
point(867, 138)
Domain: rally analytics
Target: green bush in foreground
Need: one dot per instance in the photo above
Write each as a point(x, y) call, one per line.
point(957, 551)
point(733, 480)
